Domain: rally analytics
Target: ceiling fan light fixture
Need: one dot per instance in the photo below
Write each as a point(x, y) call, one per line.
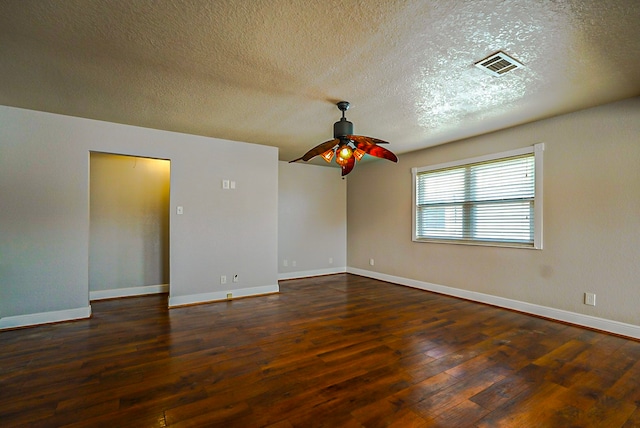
point(328, 155)
point(359, 154)
point(340, 161)
point(344, 152)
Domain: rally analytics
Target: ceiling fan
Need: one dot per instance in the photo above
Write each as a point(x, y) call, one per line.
point(346, 147)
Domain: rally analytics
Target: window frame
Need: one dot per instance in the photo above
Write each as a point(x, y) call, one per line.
point(537, 151)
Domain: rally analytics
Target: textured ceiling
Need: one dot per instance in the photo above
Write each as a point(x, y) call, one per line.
point(270, 71)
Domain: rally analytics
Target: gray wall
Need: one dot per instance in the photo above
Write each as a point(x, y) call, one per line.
point(128, 222)
point(591, 218)
point(312, 220)
point(44, 215)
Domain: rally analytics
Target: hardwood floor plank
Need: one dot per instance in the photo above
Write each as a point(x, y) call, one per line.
point(634, 420)
point(422, 390)
point(533, 408)
point(464, 414)
point(627, 386)
point(332, 351)
point(451, 396)
point(383, 413)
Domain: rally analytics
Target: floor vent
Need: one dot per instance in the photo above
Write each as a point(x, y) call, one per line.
point(498, 64)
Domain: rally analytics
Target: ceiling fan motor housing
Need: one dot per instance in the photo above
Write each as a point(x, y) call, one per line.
point(342, 128)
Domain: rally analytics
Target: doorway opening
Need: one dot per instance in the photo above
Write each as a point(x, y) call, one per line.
point(128, 225)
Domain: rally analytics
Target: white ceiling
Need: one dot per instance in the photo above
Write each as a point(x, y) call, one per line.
point(270, 71)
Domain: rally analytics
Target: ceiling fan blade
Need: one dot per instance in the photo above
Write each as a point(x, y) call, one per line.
point(318, 150)
point(377, 151)
point(348, 165)
point(362, 139)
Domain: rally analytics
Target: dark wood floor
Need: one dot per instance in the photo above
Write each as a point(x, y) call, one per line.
point(333, 351)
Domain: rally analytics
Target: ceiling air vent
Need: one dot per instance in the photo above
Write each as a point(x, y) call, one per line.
point(498, 64)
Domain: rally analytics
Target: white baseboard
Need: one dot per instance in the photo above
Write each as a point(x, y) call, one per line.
point(610, 326)
point(44, 318)
point(221, 295)
point(127, 292)
point(308, 273)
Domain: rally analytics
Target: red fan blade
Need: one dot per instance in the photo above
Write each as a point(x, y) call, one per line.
point(362, 139)
point(348, 165)
point(318, 150)
point(377, 151)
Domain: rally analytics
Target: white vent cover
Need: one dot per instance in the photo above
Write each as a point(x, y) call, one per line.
point(498, 64)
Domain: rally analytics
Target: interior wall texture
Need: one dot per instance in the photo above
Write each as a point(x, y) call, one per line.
point(312, 220)
point(591, 218)
point(44, 215)
point(128, 221)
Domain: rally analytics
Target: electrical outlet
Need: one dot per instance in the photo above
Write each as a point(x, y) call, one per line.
point(590, 299)
point(229, 296)
point(371, 262)
point(223, 279)
point(235, 278)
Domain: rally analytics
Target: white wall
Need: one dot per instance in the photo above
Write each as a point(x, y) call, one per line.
point(128, 224)
point(312, 220)
point(591, 223)
point(44, 215)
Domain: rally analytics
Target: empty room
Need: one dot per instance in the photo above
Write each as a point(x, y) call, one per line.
point(289, 213)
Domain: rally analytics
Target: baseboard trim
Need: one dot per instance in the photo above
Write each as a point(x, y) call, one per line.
point(216, 296)
point(308, 273)
point(610, 326)
point(128, 292)
point(29, 320)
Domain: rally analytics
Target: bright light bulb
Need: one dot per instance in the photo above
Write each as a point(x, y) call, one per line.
point(345, 152)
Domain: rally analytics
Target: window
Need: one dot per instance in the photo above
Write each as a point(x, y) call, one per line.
point(491, 200)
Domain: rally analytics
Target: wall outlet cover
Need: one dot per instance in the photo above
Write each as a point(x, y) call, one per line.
point(590, 299)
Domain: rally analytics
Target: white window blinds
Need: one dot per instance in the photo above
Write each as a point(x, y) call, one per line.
point(490, 200)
